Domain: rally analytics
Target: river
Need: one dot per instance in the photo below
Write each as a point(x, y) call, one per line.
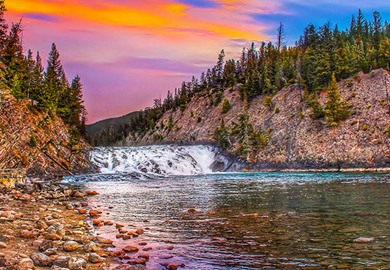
point(206, 220)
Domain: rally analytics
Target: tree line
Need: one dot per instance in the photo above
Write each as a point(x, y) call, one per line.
point(322, 56)
point(48, 89)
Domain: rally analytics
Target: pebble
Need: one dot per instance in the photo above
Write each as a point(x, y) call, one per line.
point(130, 249)
point(79, 194)
point(95, 258)
point(94, 213)
point(61, 261)
point(46, 244)
point(138, 261)
point(122, 231)
point(3, 245)
point(42, 225)
point(40, 259)
point(90, 247)
point(140, 231)
point(77, 264)
point(125, 267)
point(144, 255)
point(26, 234)
point(172, 266)
point(50, 252)
point(70, 246)
point(92, 193)
point(96, 222)
point(82, 211)
point(26, 264)
point(364, 240)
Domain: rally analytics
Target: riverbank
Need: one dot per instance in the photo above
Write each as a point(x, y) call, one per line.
point(40, 228)
point(343, 170)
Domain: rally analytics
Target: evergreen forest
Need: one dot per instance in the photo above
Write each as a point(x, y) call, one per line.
point(321, 57)
point(48, 89)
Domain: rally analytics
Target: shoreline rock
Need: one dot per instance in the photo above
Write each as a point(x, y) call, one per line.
point(41, 228)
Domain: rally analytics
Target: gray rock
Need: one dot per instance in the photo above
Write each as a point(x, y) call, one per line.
point(3, 262)
point(364, 240)
point(77, 264)
point(55, 267)
point(90, 247)
point(57, 229)
point(42, 225)
point(50, 252)
point(94, 258)
point(26, 264)
point(61, 261)
point(45, 245)
point(40, 259)
point(130, 267)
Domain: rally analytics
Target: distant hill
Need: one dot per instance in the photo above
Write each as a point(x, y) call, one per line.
point(107, 131)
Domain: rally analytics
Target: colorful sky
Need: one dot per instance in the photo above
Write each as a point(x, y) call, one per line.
point(129, 52)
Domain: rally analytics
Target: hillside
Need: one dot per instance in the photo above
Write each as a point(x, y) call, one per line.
point(99, 130)
point(35, 141)
point(322, 103)
point(295, 139)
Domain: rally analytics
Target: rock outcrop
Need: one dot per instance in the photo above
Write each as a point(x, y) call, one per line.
point(38, 142)
point(297, 141)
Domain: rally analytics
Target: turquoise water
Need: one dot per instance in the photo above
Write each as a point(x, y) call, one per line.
point(252, 220)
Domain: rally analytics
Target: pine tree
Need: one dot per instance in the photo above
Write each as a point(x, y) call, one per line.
point(15, 73)
point(77, 109)
point(219, 69)
point(335, 108)
point(222, 136)
point(53, 81)
point(229, 73)
point(318, 111)
point(377, 28)
point(3, 27)
point(225, 106)
point(243, 129)
point(280, 39)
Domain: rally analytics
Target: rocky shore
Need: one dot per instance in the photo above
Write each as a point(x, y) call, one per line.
point(51, 226)
point(40, 229)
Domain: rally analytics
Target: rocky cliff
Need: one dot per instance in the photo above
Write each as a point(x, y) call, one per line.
point(41, 143)
point(296, 140)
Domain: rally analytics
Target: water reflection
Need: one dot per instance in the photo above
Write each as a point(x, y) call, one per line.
point(251, 221)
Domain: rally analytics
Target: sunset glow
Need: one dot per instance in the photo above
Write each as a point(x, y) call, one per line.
point(130, 52)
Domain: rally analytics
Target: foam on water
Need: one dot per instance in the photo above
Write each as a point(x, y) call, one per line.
point(161, 160)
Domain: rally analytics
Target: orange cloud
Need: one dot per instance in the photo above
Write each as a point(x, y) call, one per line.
point(150, 16)
point(94, 36)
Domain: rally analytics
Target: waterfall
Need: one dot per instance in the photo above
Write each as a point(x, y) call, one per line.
point(159, 160)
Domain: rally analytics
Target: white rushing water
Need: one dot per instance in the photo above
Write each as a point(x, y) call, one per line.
point(162, 160)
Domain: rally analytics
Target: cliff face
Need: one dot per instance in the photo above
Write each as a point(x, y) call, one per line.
point(35, 141)
point(296, 140)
